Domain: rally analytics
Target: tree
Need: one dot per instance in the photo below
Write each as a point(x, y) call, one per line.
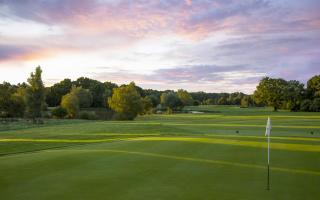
point(200, 96)
point(185, 98)
point(97, 89)
point(155, 99)
point(315, 106)
point(70, 102)
point(146, 105)
point(222, 101)
point(245, 102)
point(126, 101)
point(171, 101)
point(84, 96)
point(271, 91)
point(11, 101)
point(305, 105)
point(294, 94)
point(235, 98)
point(55, 92)
point(313, 86)
point(209, 101)
point(35, 95)
point(59, 112)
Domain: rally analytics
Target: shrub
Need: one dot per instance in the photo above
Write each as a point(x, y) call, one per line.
point(124, 116)
point(89, 115)
point(59, 112)
point(71, 103)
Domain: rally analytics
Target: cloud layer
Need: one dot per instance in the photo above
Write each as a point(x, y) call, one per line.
point(221, 45)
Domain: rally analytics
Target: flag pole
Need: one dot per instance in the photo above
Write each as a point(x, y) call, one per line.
point(268, 186)
point(268, 130)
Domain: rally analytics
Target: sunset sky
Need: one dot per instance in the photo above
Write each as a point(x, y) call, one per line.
point(213, 46)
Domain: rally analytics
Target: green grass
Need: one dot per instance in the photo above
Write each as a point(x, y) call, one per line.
point(181, 156)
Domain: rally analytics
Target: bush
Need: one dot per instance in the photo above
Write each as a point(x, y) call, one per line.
point(59, 112)
point(305, 105)
point(71, 103)
point(315, 106)
point(89, 115)
point(124, 116)
point(196, 103)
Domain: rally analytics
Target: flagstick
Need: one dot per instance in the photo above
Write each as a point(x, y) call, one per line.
point(268, 130)
point(268, 186)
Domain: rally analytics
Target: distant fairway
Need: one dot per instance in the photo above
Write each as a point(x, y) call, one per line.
point(216, 155)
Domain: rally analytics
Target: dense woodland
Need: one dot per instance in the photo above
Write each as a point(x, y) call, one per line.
point(91, 99)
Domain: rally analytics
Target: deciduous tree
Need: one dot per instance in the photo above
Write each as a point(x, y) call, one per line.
point(126, 101)
point(35, 95)
point(272, 91)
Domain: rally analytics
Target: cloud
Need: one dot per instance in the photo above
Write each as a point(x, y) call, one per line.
point(11, 52)
point(211, 44)
point(139, 18)
point(213, 77)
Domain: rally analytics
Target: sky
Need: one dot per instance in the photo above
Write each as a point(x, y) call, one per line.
point(198, 45)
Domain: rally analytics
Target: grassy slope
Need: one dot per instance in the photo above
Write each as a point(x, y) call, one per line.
point(185, 156)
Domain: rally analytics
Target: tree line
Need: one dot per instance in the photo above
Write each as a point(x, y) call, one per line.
point(73, 99)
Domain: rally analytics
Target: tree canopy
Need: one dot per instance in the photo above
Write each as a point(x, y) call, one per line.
point(35, 95)
point(271, 91)
point(126, 101)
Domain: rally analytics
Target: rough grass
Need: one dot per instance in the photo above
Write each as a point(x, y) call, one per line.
point(221, 155)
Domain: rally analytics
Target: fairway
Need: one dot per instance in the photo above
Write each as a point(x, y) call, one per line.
point(216, 155)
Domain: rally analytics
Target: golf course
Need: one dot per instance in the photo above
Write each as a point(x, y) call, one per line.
point(214, 152)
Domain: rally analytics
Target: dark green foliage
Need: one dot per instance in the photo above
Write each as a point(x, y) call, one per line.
point(313, 86)
point(209, 101)
point(59, 112)
point(294, 95)
point(101, 113)
point(84, 96)
point(35, 95)
point(12, 102)
point(201, 96)
point(222, 101)
point(235, 98)
point(155, 99)
point(89, 115)
point(305, 105)
point(98, 90)
point(55, 93)
point(315, 106)
point(171, 101)
point(196, 103)
point(185, 98)
point(146, 105)
point(271, 91)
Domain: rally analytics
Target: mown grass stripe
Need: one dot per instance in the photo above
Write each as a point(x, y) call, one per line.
point(256, 144)
point(212, 124)
point(243, 125)
point(59, 140)
point(280, 146)
point(200, 160)
point(263, 137)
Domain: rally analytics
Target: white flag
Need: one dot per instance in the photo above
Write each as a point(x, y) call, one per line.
point(268, 127)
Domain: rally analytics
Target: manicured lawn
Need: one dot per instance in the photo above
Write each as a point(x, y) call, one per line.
point(216, 155)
